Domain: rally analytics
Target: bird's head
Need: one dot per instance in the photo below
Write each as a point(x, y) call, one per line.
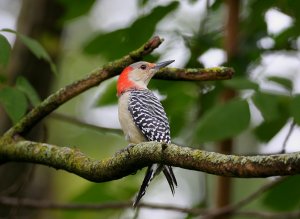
point(138, 75)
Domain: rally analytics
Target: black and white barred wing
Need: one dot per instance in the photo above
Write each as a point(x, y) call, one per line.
point(149, 115)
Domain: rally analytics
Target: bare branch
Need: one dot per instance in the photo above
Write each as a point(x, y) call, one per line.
point(44, 204)
point(141, 155)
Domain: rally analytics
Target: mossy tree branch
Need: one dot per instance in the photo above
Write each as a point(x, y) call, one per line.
point(141, 155)
point(191, 74)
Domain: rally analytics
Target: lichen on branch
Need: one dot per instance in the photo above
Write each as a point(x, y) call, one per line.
point(141, 155)
point(192, 74)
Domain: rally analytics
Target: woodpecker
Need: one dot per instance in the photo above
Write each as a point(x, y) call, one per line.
point(142, 117)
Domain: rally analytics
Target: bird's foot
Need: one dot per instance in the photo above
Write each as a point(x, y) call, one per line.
point(164, 146)
point(126, 149)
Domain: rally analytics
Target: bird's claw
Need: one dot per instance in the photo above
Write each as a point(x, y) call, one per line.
point(164, 146)
point(126, 149)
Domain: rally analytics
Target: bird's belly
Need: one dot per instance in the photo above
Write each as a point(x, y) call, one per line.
point(131, 132)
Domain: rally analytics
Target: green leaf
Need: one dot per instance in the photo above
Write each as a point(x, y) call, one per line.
point(23, 85)
point(38, 50)
point(14, 103)
point(268, 129)
point(295, 108)
point(35, 47)
point(117, 43)
point(284, 82)
point(180, 98)
point(224, 121)
point(5, 50)
point(284, 39)
point(142, 3)
point(285, 196)
point(275, 110)
point(111, 45)
point(241, 84)
point(75, 10)
point(268, 105)
point(108, 97)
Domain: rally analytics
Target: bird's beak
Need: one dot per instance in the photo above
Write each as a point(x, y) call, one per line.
point(162, 64)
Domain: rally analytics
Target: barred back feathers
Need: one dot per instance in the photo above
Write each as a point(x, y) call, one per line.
point(149, 115)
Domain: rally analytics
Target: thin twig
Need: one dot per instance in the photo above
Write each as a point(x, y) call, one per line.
point(291, 129)
point(82, 123)
point(45, 204)
point(230, 209)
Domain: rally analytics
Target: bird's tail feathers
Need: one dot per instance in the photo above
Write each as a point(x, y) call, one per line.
point(151, 172)
point(169, 174)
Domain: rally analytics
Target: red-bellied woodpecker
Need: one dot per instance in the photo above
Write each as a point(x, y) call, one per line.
point(142, 116)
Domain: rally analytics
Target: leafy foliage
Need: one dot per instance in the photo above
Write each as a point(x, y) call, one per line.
point(117, 43)
point(284, 82)
point(268, 129)
point(219, 124)
point(23, 85)
point(14, 99)
point(76, 10)
point(275, 110)
point(109, 96)
point(274, 198)
point(268, 104)
point(14, 103)
point(178, 97)
point(35, 47)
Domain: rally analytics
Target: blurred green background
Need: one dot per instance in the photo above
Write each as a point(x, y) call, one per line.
point(252, 113)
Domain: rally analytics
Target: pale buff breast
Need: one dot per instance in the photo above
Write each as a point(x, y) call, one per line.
point(131, 132)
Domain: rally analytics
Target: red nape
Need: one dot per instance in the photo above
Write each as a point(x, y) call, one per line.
point(123, 82)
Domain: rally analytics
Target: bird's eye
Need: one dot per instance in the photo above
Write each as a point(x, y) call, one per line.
point(143, 67)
